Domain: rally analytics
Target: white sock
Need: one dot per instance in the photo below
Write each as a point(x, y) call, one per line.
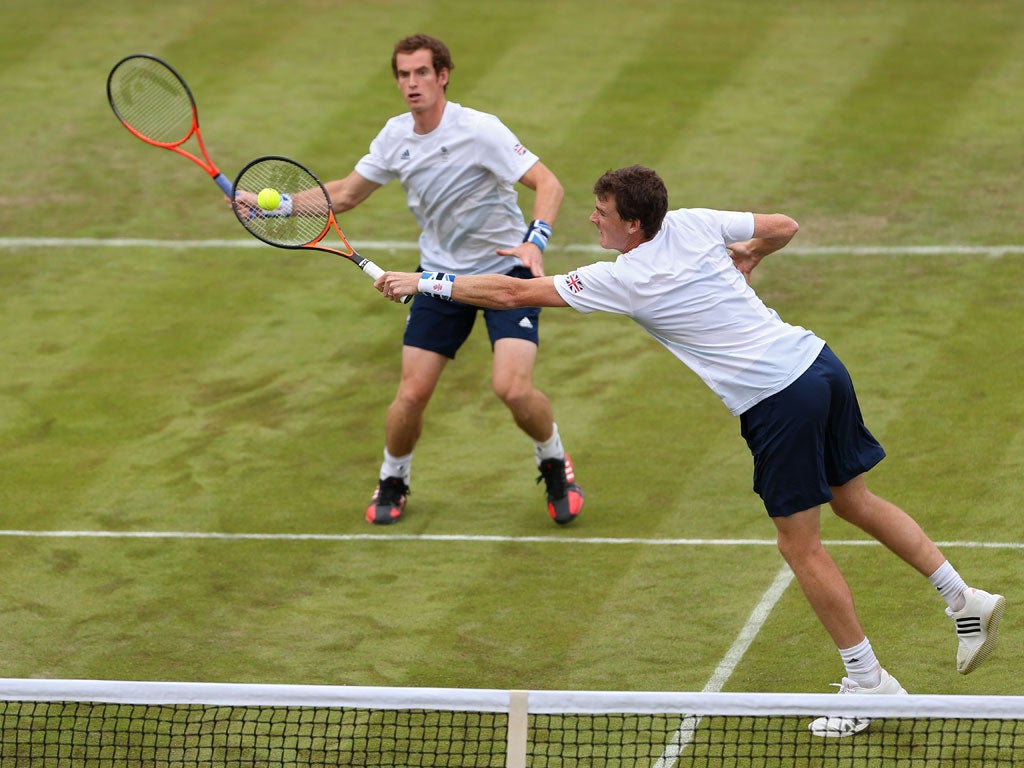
point(550, 448)
point(950, 585)
point(861, 665)
point(396, 466)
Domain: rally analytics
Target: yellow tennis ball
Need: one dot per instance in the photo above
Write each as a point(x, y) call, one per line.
point(268, 199)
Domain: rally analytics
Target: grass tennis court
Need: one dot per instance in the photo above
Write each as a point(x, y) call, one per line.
point(215, 410)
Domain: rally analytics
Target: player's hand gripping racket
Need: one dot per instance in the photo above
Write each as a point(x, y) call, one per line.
point(153, 102)
point(282, 203)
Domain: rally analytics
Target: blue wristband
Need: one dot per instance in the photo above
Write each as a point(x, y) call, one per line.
point(538, 233)
point(436, 284)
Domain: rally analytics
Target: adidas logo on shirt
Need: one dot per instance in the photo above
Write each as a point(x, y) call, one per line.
point(405, 154)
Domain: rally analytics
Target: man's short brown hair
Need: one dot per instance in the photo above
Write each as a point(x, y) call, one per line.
point(639, 194)
point(441, 56)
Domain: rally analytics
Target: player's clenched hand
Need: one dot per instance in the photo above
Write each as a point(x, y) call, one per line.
point(245, 203)
point(528, 253)
point(744, 257)
point(398, 285)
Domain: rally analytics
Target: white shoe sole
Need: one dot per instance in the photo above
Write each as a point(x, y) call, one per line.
point(838, 727)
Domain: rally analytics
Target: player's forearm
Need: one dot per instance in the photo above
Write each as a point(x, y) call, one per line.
point(771, 232)
point(504, 292)
point(349, 192)
point(341, 198)
point(489, 291)
point(548, 199)
point(548, 192)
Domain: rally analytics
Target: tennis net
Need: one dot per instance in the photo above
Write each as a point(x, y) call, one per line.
point(106, 723)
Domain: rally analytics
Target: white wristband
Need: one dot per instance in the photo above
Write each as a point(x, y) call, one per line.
point(436, 284)
point(284, 208)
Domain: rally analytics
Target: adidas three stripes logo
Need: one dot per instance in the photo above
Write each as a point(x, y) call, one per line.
point(968, 625)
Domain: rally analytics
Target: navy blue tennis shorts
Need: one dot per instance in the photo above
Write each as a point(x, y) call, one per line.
point(808, 437)
point(443, 326)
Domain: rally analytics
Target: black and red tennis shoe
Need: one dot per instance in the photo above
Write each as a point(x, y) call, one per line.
point(565, 497)
point(388, 501)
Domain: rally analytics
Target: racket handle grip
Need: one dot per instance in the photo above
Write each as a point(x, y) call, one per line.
point(225, 184)
point(374, 272)
point(372, 269)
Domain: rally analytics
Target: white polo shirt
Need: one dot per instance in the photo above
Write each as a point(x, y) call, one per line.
point(683, 288)
point(459, 182)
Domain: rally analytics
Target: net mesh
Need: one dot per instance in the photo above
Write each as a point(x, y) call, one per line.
point(149, 97)
point(97, 734)
point(54, 723)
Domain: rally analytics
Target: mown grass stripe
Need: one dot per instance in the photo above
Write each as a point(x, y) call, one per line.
point(749, 132)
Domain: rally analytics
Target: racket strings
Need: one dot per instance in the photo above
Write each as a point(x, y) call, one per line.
point(152, 100)
point(310, 207)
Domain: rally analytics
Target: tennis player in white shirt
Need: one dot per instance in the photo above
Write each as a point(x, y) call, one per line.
point(684, 276)
point(459, 168)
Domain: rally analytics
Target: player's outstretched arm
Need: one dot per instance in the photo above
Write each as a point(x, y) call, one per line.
point(491, 291)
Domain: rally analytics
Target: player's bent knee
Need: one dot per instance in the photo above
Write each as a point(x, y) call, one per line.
point(412, 399)
point(514, 393)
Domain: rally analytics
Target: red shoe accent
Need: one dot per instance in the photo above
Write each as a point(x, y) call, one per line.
point(390, 511)
point(574, 495)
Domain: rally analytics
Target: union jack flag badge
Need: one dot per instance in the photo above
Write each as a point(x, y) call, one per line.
point(573, 282)
point(519, 149)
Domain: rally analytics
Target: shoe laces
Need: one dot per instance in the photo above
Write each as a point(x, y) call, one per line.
point(392, 489)
point(552, 472)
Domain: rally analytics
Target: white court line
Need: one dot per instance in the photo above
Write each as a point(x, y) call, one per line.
point(684, 733)
point(468, 538)
point(992, 251)
point(757, 619)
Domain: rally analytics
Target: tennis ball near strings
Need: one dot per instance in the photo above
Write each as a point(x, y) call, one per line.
point(268, 199)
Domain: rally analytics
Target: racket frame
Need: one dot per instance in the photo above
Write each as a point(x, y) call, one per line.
point(205, 162)
point(350, 253)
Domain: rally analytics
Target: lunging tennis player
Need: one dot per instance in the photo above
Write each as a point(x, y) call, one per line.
point(684, 276)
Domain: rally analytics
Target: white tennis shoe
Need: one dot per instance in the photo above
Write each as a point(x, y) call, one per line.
point(833, 727)
point(977, 627)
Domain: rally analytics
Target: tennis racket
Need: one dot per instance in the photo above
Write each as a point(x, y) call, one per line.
point(153, 102)
point(301, 215)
